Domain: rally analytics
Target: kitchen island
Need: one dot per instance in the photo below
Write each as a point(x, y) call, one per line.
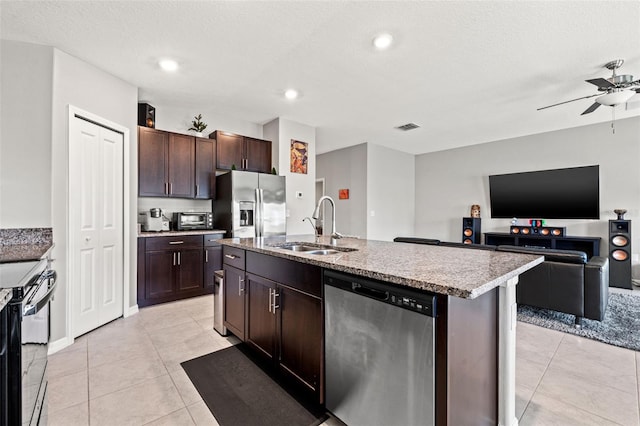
point(475, 300)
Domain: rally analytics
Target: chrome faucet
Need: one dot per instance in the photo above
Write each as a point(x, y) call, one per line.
point(316, 214)
point(315, 230)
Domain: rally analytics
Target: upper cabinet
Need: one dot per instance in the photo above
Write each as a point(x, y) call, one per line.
point(175, 165)
point(205, 168)
point(243, 152)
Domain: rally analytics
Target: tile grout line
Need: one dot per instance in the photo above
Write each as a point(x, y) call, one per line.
point(581, 409)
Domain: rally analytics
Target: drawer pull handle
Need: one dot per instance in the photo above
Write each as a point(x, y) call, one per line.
point(231, 256)
point(176, 242)
point(206, 256)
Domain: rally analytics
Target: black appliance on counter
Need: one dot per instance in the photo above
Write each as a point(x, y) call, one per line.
point(26, 322)
point(189, 221)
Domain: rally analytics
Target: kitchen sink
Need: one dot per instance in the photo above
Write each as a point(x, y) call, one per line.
point(310, 248)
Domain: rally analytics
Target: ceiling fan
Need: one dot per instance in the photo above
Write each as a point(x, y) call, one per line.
point(612, 91)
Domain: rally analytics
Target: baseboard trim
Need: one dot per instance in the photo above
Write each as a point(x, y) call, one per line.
point(59, 344)
point(131, 311)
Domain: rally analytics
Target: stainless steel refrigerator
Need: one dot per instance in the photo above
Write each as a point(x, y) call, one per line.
point(250, 204)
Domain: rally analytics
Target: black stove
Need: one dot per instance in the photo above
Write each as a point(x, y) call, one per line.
point(25, 321)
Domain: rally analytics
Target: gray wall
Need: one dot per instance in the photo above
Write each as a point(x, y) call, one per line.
point(390, 193)
point(25, 135)
point(346, 169)
point(86, 87)
point(449, 182)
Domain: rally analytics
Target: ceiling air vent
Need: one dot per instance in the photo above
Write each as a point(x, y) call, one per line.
point(408, 126)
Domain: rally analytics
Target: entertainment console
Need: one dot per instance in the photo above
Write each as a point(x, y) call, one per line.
point(589, 245)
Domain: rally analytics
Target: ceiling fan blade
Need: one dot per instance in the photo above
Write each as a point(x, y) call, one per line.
point(591, 108)
point(601, 82)
point(572, 100)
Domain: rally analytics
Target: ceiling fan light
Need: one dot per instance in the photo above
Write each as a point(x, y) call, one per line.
point(615, 98)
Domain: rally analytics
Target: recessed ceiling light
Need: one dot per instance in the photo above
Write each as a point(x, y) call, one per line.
point(382, 41)
point(168, 65)
point(291, 94)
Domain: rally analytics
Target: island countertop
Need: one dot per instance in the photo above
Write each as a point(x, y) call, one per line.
point(460, 272)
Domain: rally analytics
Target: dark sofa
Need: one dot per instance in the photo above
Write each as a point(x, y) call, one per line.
point(566, 281)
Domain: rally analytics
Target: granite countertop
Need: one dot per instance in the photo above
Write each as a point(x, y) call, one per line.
point(5, 296)
point(146, 234)
point(460, 272)
point(24, 244)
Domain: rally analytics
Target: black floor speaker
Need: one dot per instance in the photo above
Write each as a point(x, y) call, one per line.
point(471, 230)
point(620, 253)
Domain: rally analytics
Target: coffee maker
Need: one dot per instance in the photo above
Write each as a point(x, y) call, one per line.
point(154, 221)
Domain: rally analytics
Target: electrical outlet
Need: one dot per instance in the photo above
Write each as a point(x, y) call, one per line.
point(298, 194)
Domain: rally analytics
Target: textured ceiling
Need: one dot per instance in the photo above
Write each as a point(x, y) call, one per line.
point(467, 72)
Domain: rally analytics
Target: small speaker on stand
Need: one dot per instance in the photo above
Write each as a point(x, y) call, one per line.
point(620, 253)
point(471, 230)
point(146, 116)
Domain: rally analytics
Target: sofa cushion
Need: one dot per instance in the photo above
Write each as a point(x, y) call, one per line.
point(552, 255)
point(471, 246)
point(416, 240)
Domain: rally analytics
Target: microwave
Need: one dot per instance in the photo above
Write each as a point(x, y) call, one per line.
point(190, 220)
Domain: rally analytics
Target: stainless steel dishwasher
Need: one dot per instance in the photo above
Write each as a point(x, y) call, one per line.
point(379, 352)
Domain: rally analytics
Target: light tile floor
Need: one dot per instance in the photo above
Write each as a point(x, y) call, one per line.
point(128, 373)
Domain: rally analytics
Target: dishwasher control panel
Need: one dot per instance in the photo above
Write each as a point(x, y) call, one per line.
point(413, 300)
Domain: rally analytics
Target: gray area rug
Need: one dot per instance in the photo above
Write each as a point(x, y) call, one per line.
point(620, 327)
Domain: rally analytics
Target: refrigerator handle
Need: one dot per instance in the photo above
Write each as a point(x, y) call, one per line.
point(258, 213)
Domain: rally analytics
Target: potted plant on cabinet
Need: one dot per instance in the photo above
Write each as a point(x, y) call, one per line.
point(198, 126)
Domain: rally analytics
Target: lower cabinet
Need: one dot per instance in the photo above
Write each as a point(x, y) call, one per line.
point(234, 303)
point(274, 305)
point(176, 267)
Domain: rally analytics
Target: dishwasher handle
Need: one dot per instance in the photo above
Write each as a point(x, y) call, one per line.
point(371, 292)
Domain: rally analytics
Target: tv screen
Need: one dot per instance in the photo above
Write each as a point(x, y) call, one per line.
point(572, 193)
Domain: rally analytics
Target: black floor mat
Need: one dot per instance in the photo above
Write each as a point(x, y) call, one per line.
point(239, 392)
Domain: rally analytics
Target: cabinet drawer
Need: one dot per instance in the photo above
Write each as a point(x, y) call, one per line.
point(176, 242)
point(211, 239)
point(301, 276)
point(233, 256)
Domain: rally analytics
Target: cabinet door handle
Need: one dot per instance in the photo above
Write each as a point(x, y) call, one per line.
point(275, 294)
point(176, 242)
point(246, 163)
point(169, 188)
point(196, 189)
point(206, 256)
point(166, 188)
point(240, 287)
point(178, 258)
point(231, 256)
point(174, 258)
point(270, 293)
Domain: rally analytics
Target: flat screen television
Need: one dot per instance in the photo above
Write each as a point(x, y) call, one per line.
point(572, 193)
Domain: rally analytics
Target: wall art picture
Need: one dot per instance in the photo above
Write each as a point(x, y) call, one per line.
point(299, 156)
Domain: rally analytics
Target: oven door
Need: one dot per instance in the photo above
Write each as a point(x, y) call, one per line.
point(35, 339)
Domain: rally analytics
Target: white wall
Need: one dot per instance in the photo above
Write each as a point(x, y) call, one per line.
point(280, 131)
point(25, 135)
point(346, 169)
point(86, 87)
point(178, 119)
point(390, 193)
point(449, 182)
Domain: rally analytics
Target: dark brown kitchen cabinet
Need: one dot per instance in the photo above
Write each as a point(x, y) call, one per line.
point(172, 268)
point(300, 336)
point(175, 165)
point(261, 331)
point(234, 301)
point(284, 319)
point(153, 152)
point(181, 166)
point(243, 152)
point(257, 155)
point(205, 168)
